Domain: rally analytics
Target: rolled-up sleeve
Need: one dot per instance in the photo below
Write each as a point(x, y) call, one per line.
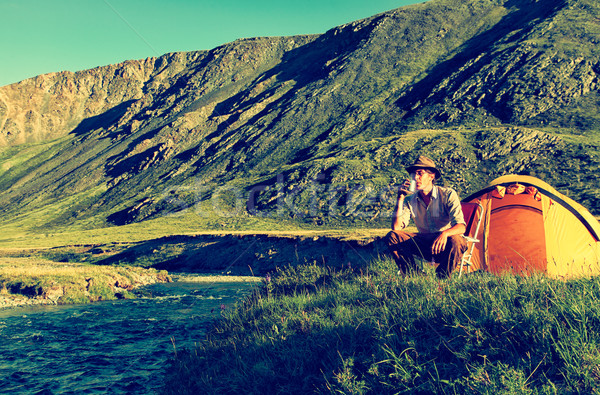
point(405, 215)
point(454, 209)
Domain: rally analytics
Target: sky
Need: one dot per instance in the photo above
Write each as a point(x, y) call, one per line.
point(43, 36)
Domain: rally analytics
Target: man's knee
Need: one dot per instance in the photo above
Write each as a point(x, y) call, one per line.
point(457, 243)
point(396, 237)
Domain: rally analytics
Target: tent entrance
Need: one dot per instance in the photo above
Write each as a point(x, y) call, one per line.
point(517, 243)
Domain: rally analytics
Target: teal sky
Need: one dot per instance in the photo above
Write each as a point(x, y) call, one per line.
point(42, 36)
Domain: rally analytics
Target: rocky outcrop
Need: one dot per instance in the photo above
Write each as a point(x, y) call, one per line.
point(125, 94)
point(53, 105)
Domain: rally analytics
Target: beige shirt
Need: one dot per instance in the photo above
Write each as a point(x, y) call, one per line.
point(444, 210)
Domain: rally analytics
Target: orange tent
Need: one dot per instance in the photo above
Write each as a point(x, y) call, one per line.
point(528, 227)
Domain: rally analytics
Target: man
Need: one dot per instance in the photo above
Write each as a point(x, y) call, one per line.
point(438, 217)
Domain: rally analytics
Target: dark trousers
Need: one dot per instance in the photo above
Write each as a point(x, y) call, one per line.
point(405, 245)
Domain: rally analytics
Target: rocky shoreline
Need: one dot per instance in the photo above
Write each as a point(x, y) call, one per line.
point(15, 300)
point(111, 284)
point(9, 300)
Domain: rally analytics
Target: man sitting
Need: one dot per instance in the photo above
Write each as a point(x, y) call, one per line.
point(439, 219)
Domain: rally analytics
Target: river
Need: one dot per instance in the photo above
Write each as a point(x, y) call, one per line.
point(116, 347)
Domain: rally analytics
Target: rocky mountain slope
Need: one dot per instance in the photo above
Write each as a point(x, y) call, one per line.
point(312, 128)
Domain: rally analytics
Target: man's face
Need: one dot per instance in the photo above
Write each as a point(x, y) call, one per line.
point(424, 179)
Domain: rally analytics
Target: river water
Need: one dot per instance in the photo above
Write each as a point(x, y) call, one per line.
point(119, 347)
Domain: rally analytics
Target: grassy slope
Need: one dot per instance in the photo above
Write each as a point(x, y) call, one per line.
point(310, 329)
point(331, 105)
point(376, 164)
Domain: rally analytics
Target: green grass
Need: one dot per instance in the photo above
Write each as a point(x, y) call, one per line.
point(341, 105)
point(63, 282)
point(312, 329)
point(18, 235)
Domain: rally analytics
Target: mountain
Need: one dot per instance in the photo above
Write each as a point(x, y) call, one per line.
point(316, 128)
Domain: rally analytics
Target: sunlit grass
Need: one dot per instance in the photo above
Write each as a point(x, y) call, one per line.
point(14, 237)
point(314, 329)
point(37, 267)
point(68, 282)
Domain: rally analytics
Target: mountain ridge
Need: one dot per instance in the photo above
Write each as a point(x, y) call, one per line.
point(485, 87)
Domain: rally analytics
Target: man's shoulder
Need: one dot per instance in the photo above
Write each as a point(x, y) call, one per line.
point(447, 193)
point(445, 189)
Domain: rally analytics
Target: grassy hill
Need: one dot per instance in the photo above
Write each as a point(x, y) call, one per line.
point(309, 131)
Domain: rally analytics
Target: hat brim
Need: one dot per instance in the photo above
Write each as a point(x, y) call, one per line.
point(412, 169)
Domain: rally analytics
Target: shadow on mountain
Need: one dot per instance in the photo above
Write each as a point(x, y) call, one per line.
point(102, 121)
point(518, 22)
point(302, 66)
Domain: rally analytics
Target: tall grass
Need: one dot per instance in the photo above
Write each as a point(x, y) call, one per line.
point(313, 329)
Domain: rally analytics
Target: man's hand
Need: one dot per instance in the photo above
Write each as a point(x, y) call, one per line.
point(439, 244)
point(403, 189)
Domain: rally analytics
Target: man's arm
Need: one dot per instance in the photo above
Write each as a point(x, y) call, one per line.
point(439, 244)
point(399, 219)
point(456, 218)
point(397, 223)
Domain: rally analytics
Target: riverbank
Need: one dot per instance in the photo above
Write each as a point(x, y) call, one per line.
point(82, 273)
point(35, 281)
point(11, 300)
point(245, 254)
